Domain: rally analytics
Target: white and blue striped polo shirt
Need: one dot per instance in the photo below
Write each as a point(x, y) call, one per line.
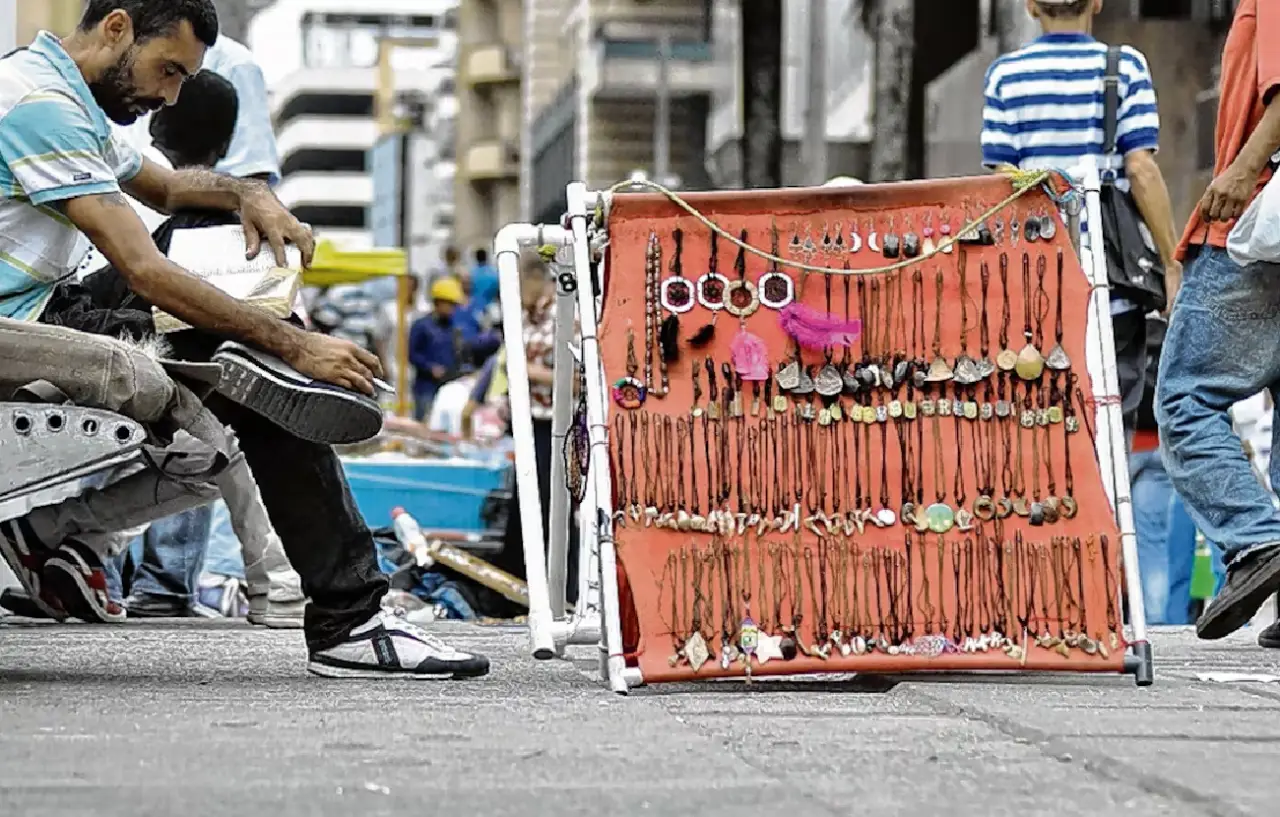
point(55, 145)
point(1044, 108)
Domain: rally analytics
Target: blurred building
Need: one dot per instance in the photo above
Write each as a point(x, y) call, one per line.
point(321, 60)
point(594, 82)
point(58, 16)
point(234, 16)
point(493, 41)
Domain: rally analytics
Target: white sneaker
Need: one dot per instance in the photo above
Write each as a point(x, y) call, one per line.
point(276, 615)
point(387, 645)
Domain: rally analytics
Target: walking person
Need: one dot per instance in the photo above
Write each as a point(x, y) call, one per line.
point(1045, 110)
point(128, 57)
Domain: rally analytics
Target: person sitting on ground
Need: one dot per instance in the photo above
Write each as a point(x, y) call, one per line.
point(127, 57)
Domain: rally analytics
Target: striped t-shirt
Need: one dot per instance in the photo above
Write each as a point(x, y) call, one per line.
point(1044, 108)
point(55, 145)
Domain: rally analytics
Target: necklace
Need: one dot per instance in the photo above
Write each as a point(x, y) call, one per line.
point(1057, 359)
point(963, 519)
point(623, 487)
point(653, 265)
point(939, 516)
point(966, 369)
point(1006, 359)
point(676, 585)
point(885, 517)
point(926, 602)
point(696, 651)
point(939, 370)
point(986, 367)
point(1030, 364)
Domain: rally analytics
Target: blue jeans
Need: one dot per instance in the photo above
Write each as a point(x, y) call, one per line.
point(223, 555)
point(1223, 345)
point(1182, 560)
point(172, 557)
point(1152, 497)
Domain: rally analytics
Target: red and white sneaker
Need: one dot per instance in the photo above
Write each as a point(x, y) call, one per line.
point(27, 556)
point(74, 576)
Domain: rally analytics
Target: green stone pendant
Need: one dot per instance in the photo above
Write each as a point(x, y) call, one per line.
point(940, 517)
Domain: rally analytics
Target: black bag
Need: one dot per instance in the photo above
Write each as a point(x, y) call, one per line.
point(1134, 268)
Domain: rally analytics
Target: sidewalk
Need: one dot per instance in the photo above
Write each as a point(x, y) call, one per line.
point(213, 718)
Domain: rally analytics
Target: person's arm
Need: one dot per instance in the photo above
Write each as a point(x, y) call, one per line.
point(253, 150)
point(479, 391)
point(999, 145)
point(1230, 192)
point(1138, 139)
point(261, 213)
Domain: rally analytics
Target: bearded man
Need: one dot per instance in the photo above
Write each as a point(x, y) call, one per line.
point(61, 176)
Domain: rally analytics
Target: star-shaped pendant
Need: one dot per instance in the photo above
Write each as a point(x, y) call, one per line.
point(768, 648)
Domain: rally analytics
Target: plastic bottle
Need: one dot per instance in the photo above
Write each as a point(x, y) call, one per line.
point(409, 534)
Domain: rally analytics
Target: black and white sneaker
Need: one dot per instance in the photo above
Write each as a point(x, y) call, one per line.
point(307, 408)
point(388, 646)
point(75, 576)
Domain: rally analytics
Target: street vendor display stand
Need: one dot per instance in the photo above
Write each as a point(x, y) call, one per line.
point(842, 430)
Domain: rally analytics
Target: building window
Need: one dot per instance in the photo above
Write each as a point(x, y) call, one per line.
point(351, 40)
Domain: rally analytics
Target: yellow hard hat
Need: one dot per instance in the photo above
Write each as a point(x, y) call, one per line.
point(448, 289)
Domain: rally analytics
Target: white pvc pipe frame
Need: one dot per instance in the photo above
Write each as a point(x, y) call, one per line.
point(549, 630)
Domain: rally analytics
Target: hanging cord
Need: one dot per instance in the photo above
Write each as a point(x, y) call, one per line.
point(1022, 181)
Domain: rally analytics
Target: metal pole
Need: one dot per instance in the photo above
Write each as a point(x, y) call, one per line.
point(815, 125)
point(662, 123)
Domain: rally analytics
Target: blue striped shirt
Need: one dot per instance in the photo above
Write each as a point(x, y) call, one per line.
point(1044, 108)
point(55, 145)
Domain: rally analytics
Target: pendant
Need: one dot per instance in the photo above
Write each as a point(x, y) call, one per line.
point(629, 393)
point(939, 370)
point(824, 417)
point(901, 370)
point(855, 240)
point(1015, 230)
point(677, 295)
point(768, 649)
point(939, 517)
point(985, 367)
point(741, 299)
point(873, 238)
point(891, 245)
point(1051, 507)
point(788, 377)
point(776, 290)
point(944, 407)
point(779, 403)
point(711, 291)
point(1036, 514)
point(928, 408)
point(1006, 360)
point(1068, 508)
point(922, 522)
point(944, 229)
point(728, 653)
point(1048, 227)
point(1027, 419)
point(966, 371)
point(1022, 507)
point(908, 514)
point(885, 518)
point(1055, 414)
point(984, 508)
point(985, 238)
point(1072, 424)
point(788, 647)
point(895, 409)
point(999, 230)
point(748, 638)
point(882, 414)
point(911, 245)
point(713, 410)
point(1003, 409)
point(695, 650)
point(1057, 359)
point(1032, 228)
point(829, 383)
point(970, 410)
point(964, 520)
point(909, 409)
point(1004, 508)
point(837, 412)
point(1030, 364)
point(987, 411)
point(805, 384)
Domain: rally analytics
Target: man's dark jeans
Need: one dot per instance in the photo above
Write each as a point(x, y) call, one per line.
point(303, 485)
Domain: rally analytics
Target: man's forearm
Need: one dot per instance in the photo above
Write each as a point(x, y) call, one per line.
point(1152, 197)
point(196, 188)
point(1262, 143)
point(208, 308)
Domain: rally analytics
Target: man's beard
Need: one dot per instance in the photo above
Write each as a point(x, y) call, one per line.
point(117, 95)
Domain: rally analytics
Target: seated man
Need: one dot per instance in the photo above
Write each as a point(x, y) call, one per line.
point(127, 57)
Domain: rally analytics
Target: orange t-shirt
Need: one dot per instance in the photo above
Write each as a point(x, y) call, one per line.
point(1250, 74)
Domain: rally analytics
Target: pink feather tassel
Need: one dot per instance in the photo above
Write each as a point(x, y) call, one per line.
point(818, 330)
point(750, 357)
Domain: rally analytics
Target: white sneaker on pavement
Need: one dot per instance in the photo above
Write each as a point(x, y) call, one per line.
point(388, 646)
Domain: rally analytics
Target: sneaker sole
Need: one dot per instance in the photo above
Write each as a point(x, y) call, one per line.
point(1248, 600)
point(66, 581)
point(317, 415)
point(15, 554)
point(329, 671)
point(1268, 643)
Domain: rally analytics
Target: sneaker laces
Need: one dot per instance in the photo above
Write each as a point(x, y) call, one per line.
point(402, 623)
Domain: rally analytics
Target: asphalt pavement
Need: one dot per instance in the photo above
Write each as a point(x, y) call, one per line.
point(214, 718)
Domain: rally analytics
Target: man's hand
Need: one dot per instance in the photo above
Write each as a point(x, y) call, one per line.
point(1230, 192)
point(438, 373)
point(336, 361)
point(1172, 283)
point(264, 217)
